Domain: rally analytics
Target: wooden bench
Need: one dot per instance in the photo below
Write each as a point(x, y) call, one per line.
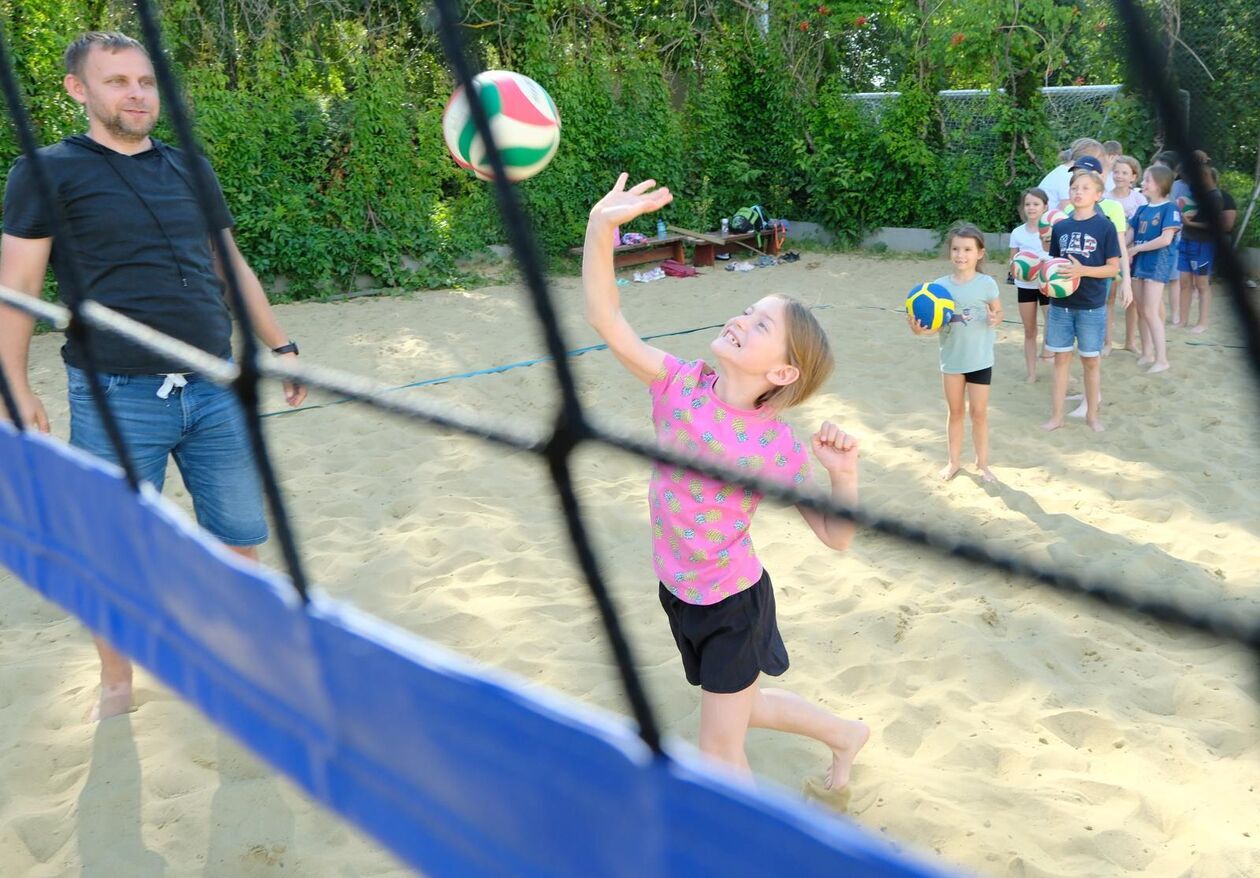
point(706, 251)
point(651, 250)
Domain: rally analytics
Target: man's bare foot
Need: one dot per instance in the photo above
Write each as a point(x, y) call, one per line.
point(1095, 425)
point(948, 471)
point(1158, 367)
point(1197, 328)
point(1052, 424)
point(986, 474)
point(851, 736)
point(116, 699)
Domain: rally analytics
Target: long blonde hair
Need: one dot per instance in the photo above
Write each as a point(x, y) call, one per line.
point(808, 350)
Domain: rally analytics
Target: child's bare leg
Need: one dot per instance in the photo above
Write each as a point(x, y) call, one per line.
point(1158, 347)
point(1028, 316)
point(1131, 322)
point(1111, 302)
point(1058, 390)
point(116, 674)
point(978, 402)
point(1204, 284)
point(955, 422)
point(1045, 354)
point(788, 712)
point(724, 720)
point(1093, 391)
point(1175, 286)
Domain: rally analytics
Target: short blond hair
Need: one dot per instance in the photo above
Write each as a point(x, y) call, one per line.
point(808, 350)
point(1093, 177)
point(1112, 147)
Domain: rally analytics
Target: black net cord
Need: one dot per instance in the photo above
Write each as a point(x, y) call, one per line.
point(246, 385)
point(63, 234)
point(1157, 86)
point(571, 422)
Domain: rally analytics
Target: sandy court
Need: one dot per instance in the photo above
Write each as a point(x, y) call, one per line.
point(1016, 733)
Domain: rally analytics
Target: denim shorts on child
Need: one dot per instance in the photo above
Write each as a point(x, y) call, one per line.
point(1157, 265)
point(1196, 257)
point(200, 424)
point(1084, 326)
point(725, 646)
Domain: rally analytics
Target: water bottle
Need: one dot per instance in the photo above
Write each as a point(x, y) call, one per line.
point(660, 228)
point(726, 226)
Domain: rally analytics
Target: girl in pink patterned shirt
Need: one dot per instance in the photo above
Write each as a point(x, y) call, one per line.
point(718, 597)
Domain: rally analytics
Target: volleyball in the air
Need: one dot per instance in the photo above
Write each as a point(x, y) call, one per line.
point(1024, 265)
point(523, 120)
point(931, 304)
point(1049, 218)
point(1052, 281)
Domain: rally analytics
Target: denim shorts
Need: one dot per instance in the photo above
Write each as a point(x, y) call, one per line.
point(200, 424)
point(1196, 257)
point(1084, 326)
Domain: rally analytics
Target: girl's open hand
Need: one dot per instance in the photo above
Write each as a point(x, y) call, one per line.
point(621, 205)
point(835, 449)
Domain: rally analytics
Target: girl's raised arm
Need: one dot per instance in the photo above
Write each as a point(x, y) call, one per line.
point(599, 283)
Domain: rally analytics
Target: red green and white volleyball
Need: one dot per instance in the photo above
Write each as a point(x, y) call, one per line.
point(1052, 281)
point(1049, 218)
point(524, 122)
point(1024, 265)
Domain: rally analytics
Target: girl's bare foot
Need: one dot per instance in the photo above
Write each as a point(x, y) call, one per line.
point(1052, 424)
point(1197, 328)
point(1132, 348)
point(1095, 425)
point(851, 736)
point(1106, 350)
point(1144, 361)
point(986, 474)
point(116, 699)
point(1158, 367)
point(1031, 379)
point(948, 471)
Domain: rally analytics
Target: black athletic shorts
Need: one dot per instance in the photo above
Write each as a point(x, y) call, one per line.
point(1032, 296)
point(725, 646)
point(980, 376)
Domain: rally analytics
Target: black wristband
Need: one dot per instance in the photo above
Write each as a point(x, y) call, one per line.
point(290, 348)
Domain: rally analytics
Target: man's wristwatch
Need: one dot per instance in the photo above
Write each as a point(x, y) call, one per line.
point(290, 348)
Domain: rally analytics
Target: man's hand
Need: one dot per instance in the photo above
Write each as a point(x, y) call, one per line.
point(294, 393)
point(31, 410)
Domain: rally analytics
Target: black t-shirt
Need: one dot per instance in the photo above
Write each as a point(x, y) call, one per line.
point(1224, 201)
point(1092, 242)
point(143, 245)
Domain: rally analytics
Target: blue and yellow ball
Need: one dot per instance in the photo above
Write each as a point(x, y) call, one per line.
point(931, 305)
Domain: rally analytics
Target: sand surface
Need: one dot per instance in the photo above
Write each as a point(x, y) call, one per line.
point(1016, 732)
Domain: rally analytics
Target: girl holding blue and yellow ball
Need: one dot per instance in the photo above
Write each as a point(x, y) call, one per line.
point(967, 341)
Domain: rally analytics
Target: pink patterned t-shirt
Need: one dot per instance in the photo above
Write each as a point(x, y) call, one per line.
point(701, 548)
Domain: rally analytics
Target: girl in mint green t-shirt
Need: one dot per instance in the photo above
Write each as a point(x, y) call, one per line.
point(967, 348)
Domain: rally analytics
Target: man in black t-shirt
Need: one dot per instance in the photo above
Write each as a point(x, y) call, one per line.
point(144, 248)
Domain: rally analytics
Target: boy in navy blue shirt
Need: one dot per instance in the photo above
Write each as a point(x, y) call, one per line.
point(1089, 240)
